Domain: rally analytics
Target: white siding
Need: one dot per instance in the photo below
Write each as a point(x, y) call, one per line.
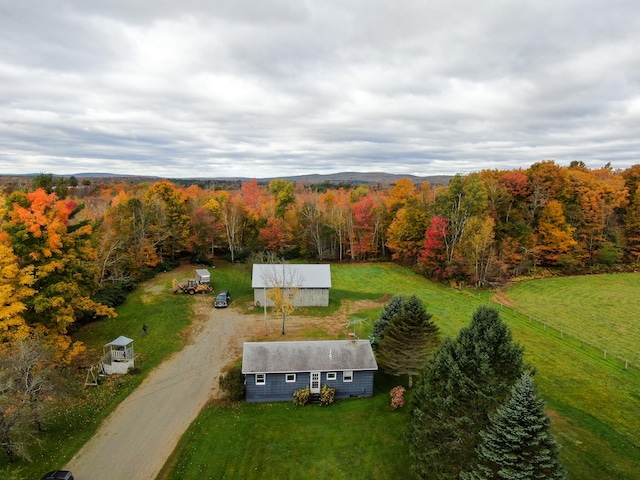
point(307, 297)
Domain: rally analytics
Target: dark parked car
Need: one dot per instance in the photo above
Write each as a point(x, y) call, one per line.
point(58, 475)
point(223, 299)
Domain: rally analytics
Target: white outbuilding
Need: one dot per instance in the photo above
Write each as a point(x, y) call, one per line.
point(119, 356)
point(311, 282)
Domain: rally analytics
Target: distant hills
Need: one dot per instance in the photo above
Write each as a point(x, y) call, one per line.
point(364, 177)
point(370, 178)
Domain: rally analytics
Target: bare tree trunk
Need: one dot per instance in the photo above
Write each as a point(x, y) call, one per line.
point(5, 439)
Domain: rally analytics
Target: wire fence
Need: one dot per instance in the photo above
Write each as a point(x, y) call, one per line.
point(609, 356)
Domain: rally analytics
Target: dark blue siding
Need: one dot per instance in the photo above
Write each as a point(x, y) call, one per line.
point(276, 389)
point(361, 386)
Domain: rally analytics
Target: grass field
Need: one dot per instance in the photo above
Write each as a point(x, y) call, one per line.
point(593, 402)
point(594, 405)
point(602, 310)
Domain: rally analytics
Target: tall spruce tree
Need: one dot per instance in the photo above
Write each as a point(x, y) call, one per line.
point(436, 430)
point(409, 341)
point(467, 380)
point(517, 444)
point(389, 310)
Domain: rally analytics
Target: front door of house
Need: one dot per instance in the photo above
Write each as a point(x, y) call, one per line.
point(315, 382)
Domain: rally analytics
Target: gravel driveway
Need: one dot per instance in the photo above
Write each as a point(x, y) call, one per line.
point(136, 439)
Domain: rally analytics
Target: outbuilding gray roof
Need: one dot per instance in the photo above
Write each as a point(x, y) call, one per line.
point(307, 356)
point(295, 275)
point(121, 341)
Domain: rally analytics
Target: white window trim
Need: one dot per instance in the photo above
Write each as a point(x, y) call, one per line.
point(261, 378)
point(332, 376)
point(347, 376)
point(287, 375)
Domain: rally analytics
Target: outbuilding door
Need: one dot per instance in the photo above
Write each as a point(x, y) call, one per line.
point(314, 386)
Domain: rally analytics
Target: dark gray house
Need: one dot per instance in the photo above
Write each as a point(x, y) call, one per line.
point(274, 370)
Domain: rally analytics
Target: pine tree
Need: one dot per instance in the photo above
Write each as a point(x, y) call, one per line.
point(468, 379)
point(390, 310)
point(517, 444)
point(491, 360)
point(435, 433)
point(409, 340)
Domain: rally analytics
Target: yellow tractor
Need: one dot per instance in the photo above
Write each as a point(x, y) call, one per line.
point(191, 287)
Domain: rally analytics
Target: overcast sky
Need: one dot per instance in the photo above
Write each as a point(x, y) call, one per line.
point(258, 89)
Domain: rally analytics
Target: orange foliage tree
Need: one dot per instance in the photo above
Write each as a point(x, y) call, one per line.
point(45, 237)
point(130, 234)
point(174, 218)
point(554, 236)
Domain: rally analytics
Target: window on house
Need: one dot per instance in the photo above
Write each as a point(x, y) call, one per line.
point(347, 376)
point(261, 378)
point(290, 377)
point(331, 375)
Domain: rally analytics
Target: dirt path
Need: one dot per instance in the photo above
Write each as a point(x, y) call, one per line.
point(137, 438)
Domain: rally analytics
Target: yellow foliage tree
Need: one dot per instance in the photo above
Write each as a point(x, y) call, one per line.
point(555, 235)
point(15, 289)
point(283, 286)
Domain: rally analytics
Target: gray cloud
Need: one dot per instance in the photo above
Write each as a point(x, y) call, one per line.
point(271, 88)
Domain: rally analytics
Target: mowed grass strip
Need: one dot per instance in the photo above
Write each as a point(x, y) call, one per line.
point(593, 403)
point(602, 310)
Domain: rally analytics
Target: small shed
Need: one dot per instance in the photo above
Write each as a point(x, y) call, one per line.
point(274, 370)
point(312, 282)
point(119, 356)
point(203, 276)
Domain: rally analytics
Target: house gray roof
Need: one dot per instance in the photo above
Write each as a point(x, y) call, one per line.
point(307, 356)
point(295, 275)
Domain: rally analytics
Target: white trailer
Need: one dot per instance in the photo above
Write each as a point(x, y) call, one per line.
point(203, 276)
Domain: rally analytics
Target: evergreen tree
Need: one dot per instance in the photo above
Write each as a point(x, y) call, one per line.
point(436, 429)
point(491, 360)
point(517, 444)
point(390, 310)
point(468, 379)
point(43, 181)
point(408, 341)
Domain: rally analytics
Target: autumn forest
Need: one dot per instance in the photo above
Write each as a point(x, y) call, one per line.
point(62, 243)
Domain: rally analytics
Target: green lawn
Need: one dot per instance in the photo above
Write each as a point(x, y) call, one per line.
point(355, 439)
point(594, 404)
